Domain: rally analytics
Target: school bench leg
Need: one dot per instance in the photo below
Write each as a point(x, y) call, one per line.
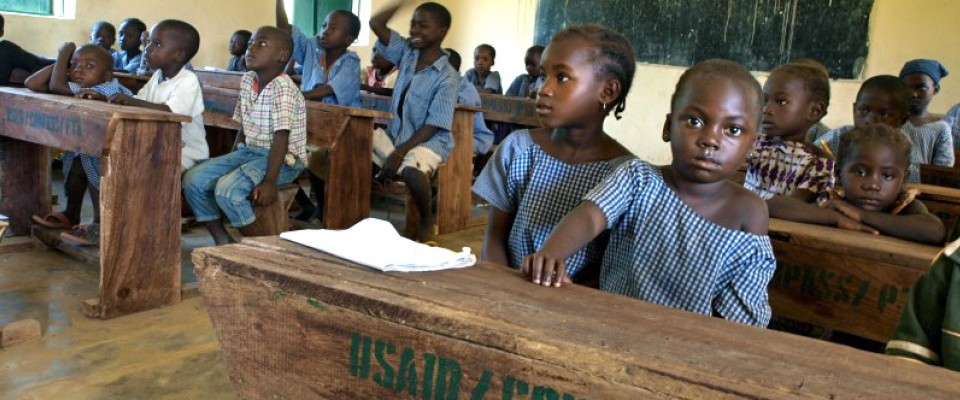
point(347, 194)
point(24, 182)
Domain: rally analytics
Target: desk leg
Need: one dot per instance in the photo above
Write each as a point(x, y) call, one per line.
point(347, 196)
point(24, 182)
point(453, 187)
point(140, 220)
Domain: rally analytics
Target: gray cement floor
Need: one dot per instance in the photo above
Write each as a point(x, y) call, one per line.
point(168, 353)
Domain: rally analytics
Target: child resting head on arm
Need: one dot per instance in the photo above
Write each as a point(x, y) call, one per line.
point(872, 169)
point(535, 177)
point(682, 235)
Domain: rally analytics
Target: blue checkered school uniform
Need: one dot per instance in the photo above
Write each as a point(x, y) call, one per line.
point(91, 164)
point(343, 76)
point(539, 190)
point(663, 252)
point(482, 136)
point(424, 97)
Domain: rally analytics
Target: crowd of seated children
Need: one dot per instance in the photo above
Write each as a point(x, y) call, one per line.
point(13, 58)
point(375, 76)
point(872, 164)
point(486, 81)
point(331, 75)
point(783, 169)
point(85, 72)
point(173, 88)
point(681, 235)
point(103, 34)
point(467, 95)
point(272, 113)
point(537, 176)
point(237, 48)
point(130, 56)
point(418, 138)
point(932, 141)
point(528, 84)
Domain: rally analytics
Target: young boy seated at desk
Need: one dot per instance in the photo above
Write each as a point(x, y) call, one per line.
point(129, 57)
point(272, 113)
point(528, 84)
point(467, 95)
point(418, 138)
point(103, 34)
point(331, 75)
point(486, 81)
point(87, 73)
point(238, 47)
point(172, 87)
point(13, 57)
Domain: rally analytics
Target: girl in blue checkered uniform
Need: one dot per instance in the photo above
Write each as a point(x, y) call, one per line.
point(535, 177)
point(682, 235)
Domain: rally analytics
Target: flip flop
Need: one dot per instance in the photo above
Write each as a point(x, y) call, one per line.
point(54, 220)
point(84, 235)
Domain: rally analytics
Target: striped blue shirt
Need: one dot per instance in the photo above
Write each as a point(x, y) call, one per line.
point(663, 252)
point(91, 163)
point(431, 96)
point(522, 86)
point(343, 77)
point(482, 136)
point(123, 62)
point(521, 179)
point(492, 80)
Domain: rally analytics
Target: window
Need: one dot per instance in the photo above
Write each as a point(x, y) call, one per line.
point(41, 7)
point(308, 15)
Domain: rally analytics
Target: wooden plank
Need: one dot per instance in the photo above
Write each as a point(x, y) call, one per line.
point(24, 181)
point(944, 202)
point(483, 332)
point(850, 281)
point(21, 244)
point(515, 110)
point(133, 82)
point(347, 192)
point(222, 102)
point(940, 175)
point(140, 213)
point(220, 79)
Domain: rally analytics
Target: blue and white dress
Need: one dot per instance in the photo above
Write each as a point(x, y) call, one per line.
point(91, 164)
point(663, 252)
point(539, 190)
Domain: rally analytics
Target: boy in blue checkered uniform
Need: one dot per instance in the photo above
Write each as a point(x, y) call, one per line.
point(87, 73)
point(418, 138)
point(682, 235)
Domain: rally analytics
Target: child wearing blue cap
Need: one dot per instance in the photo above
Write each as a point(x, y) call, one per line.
point(932, 141)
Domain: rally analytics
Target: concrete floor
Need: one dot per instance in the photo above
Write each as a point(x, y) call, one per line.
point(169, 353)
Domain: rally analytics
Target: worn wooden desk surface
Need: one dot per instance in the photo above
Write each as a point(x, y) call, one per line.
point(515, 110)
point(140, 207)
point(296, 323)
point(845, 280)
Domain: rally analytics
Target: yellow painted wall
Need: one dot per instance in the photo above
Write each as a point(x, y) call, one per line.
point(900, 30)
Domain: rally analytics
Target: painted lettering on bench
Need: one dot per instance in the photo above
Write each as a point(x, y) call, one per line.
point(52, 123)
point(830, 287)
point(430, 377)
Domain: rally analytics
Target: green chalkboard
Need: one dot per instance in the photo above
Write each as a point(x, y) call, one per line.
point(761, 34)
point(42, 7)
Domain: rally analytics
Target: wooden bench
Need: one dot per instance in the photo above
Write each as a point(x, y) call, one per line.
point(944, 202)
point(139, 253)
point(297, 323)
point(133, 82)
point(345, 131)
point(514, 110)
point(845, 280)
point(940, 176)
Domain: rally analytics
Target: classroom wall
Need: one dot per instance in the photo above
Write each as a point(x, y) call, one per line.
point(900, 30)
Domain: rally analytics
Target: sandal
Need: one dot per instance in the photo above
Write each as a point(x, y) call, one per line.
point(54, 220)
point(84, 235)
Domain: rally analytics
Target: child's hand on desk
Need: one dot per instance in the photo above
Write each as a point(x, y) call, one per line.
point(90, 95)
point(119, 98)
point(851, 225)
point(264, 194)
point(545, 270)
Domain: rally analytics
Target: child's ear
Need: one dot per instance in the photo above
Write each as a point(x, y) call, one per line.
point(817, 111)
point(284, 56)
point(610, 92)
point(666, 128)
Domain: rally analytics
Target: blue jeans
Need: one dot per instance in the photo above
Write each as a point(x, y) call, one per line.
point(225, 183)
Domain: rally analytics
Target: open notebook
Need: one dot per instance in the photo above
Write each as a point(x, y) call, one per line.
point(376, 244)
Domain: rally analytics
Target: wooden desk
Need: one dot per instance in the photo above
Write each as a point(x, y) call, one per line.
point(296, 323)
point(515, 110)
point(944, 202)
point(133, 82)
point(851, 281)
point(347, 132)
point(220, 79)
point(940, 176)
point(139, 192)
